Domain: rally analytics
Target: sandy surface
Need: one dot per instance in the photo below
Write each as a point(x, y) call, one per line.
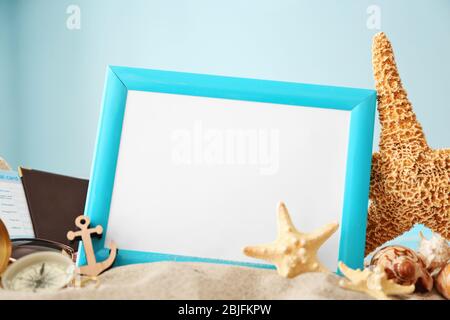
point(168, 280)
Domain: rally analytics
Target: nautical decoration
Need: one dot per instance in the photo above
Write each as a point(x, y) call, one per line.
point(294, 252)
point(409, 180)
point(39, 272)
point(93, 268)
point(374, 282)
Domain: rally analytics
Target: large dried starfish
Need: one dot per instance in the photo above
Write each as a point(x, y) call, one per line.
point(410, 182)
point(293, 252)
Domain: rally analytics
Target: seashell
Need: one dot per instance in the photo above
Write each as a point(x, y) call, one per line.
point(443, 282)
point(404, 266)
point(4, 165)
point(436, 252)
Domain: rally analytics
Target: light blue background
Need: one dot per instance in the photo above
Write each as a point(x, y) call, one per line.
point(51, 78)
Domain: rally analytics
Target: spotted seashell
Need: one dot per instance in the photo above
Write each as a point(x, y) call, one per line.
point(404, 266)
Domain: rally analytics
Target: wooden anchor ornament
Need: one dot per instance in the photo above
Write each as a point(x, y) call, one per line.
point(93, 268)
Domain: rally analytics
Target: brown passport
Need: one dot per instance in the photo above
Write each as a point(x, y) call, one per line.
point(54, 201)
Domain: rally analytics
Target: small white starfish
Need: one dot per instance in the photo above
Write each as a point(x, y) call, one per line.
point(374, 283)
point(293, 252)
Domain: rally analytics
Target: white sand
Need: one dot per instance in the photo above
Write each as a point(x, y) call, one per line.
point(168, 280)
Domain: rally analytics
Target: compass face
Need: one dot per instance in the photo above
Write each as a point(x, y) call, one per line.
point(39, 272)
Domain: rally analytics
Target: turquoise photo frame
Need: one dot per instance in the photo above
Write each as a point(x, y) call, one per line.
point(360, 102)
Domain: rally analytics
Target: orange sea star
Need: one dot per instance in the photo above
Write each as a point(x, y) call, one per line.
point(410, 182)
